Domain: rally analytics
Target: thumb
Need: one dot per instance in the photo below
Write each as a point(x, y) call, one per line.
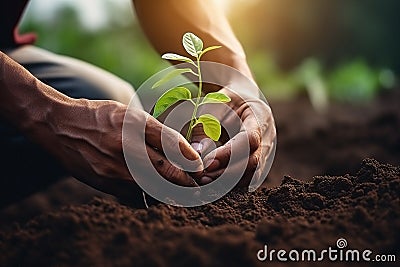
point(173, 145)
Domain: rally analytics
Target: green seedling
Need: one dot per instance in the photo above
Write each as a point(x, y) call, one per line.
point(194, 47)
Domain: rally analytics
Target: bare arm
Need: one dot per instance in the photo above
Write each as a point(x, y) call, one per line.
point(24, 100)
point(84, 135)
point(165, 21)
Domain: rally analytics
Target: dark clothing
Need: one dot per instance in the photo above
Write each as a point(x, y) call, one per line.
point(10, 14)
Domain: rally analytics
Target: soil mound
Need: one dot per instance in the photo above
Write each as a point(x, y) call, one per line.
point(364, 209)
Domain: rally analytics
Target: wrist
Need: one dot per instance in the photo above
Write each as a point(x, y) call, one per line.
point(231, 59)
point(232, 74)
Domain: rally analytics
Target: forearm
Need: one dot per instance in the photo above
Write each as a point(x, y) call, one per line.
point(25, 101)
point(83, 135)
point(164, 22)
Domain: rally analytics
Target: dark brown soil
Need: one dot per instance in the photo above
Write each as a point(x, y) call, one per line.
point(363, 209)
point(360, 202)
point(335, 142)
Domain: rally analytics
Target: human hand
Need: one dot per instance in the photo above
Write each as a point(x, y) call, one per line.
point(255, 132)
point(87, 139)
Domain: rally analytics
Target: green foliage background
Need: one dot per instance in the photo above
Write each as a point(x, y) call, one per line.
point(341, 50)
point(120, 48)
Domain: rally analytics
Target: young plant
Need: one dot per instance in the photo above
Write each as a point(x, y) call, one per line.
point(194, 47)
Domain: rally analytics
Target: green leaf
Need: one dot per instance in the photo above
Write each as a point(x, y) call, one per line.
point(215, 97)
point(172, 75)
point(192, 44)
point(209, 49)
point(172, 56)
point(169, 98)
point(211, 126)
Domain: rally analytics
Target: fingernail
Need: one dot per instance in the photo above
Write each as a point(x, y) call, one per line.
point(205, 180)
point(197, 147)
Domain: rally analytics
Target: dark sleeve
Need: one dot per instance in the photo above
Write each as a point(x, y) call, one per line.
point(10, 13)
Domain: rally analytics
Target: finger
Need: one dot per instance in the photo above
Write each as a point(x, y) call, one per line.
point(167, 170)
point(155, 130)
point(245, 167)
point(250, 164)
point(251, 171)
point(173, 145)
point(205, 180)
point(257, 168)
point(244, 144)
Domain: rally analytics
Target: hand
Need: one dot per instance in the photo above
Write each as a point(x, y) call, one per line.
point(256, 132)
point(87, 139)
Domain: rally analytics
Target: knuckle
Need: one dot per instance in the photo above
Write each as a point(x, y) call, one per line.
point(225, 152)
point(171, 173)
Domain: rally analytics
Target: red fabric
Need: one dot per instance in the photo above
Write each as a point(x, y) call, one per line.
point(10, 14)
point(25, 38)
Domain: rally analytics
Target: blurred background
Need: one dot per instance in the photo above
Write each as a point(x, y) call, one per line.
point(340, 50)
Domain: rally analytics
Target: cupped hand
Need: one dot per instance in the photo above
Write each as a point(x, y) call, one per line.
point(252, 143)
point(88, 138)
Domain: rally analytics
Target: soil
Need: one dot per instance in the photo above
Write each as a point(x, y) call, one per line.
point(323, 186)
point(335, 142)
